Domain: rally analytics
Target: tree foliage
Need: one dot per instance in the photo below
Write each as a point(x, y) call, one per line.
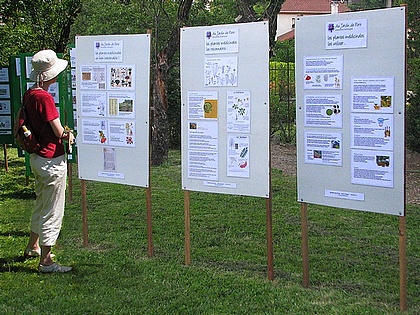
point(31, 25)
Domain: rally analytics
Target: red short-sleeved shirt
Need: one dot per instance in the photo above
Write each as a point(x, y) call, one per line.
point(41, 110)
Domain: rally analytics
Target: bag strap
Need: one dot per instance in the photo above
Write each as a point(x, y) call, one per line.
point(41, 131)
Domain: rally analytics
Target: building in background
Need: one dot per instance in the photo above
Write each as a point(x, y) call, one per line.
point(291, 9)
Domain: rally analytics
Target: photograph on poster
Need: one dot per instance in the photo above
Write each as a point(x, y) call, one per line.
point(373, 168)
point(203, 135)
point(323, 111)
point(372, 131)
point(5, 107)
point(121, 104)
point(203, 165)
point(122, 133)
point(238, 156)
point(346, 34)
point(93, 77)
point(238, 111)
point(93, 104)
point(121, 77)
point(94, 131)
point(323, 72)
point(323, 148)
point(221, 71)
point(202, 104)
point(221, 41)
point(372, 94)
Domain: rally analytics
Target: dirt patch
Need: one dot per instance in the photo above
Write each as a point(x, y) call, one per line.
point(283, 157)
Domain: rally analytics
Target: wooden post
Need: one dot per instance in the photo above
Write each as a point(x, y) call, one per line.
point(269, 223)
point(84, 213)
point(403, 262)
point(149, 220)
point(149, 189)
point(187, 221)
point(6, 165)
point(70, 182)
point(305, 246)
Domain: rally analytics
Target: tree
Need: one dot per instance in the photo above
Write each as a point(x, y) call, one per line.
point(31, 25)
point(165, 18)
point(163, 62)
point(367, 5)
point(254, 10)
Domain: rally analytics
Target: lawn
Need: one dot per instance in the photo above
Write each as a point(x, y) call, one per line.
point(353, 255)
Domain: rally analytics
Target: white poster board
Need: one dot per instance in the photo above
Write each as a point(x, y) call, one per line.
point(113, 84)
point(225, 109)
point(350, 96)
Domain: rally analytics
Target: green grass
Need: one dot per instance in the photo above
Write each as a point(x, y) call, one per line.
point(353, 255)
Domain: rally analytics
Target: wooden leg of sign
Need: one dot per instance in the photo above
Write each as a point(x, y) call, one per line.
point(70, 182)
point(187, 221)
point(403, 263)
point(269, 223)
point(305, 246)
point(149, 221)
point(84, 213)
point(6, 165)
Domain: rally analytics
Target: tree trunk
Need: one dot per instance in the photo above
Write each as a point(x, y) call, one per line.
point(163, 63)
point(160, 130)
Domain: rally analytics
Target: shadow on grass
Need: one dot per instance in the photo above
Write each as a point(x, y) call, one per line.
point(15, 233)
point(8, 265)
point(25, 195)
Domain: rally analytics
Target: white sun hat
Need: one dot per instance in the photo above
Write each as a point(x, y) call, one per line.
point(46, 66)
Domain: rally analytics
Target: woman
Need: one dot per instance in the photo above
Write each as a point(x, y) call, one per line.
point(49, 164)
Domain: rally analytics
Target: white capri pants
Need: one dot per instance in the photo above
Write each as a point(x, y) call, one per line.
point(50, 187)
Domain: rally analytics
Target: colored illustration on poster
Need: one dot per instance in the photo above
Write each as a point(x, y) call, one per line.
point(323, 148)
point(372, 131)
point(120, 77)
point(374, 168)
point(323, 111)
point(372, 94)
point(238, 150)
point(323, 72)
point(122, 133)
point(202, 104)
point(94, 131)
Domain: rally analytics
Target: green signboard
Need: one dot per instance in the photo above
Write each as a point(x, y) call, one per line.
point(6, 114)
